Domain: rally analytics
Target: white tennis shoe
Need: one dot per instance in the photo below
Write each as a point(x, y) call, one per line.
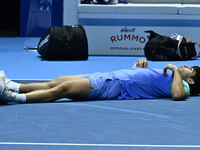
point(6, 96)
point(4, 77)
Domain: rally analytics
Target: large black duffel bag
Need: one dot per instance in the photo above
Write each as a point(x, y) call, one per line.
point(159, 48)
point(64, 43)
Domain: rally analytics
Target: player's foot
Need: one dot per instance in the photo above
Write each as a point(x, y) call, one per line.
point(3, 76)
point(7, 96)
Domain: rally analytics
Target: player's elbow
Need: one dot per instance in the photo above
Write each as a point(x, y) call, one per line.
point(179, 96)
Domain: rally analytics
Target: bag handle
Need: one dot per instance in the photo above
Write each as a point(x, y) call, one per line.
point(197, 51)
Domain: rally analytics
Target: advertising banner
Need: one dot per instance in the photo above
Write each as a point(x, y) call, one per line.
point(129, 40)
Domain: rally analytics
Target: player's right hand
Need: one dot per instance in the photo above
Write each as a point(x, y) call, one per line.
point(142, 63)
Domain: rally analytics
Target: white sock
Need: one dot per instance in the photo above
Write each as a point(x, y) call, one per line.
point(19, 98)
point(13, 86)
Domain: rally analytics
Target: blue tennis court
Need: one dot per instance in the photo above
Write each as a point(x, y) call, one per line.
point(146, 124)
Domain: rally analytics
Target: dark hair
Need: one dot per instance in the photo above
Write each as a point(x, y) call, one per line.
point(195, 88)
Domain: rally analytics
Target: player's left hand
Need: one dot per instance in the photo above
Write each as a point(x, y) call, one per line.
point(170, 67)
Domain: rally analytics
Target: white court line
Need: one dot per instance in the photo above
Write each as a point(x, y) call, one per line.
point(100, 145)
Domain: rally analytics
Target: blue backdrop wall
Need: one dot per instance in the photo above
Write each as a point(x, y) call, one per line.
point(36, 16)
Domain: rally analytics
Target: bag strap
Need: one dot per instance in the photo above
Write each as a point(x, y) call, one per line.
point(178, 52)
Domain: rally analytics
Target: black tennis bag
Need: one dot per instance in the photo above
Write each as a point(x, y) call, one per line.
point(64, 43)
point(163, 48)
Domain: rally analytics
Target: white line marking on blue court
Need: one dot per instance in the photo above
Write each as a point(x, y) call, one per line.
point(100, 145)
point(125, 110)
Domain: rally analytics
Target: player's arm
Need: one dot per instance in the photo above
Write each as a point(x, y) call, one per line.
point(178, 90)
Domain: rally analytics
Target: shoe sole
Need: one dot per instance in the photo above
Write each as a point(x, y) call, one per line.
point(1, 89)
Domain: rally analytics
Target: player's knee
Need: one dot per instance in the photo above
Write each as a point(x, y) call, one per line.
point(61, 90)
point(51, 84)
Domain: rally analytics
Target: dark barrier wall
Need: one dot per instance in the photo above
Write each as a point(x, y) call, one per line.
point(36, 16)
point(9, 15)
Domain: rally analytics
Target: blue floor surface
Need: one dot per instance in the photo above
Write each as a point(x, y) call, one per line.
point(156, 124)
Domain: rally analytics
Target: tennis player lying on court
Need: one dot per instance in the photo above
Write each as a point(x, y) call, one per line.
point(135, 83)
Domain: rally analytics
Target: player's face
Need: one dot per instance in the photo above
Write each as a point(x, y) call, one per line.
point(186, 72)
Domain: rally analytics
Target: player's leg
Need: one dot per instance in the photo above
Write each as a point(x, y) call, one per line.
point(74, 89)
point(25, 88)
